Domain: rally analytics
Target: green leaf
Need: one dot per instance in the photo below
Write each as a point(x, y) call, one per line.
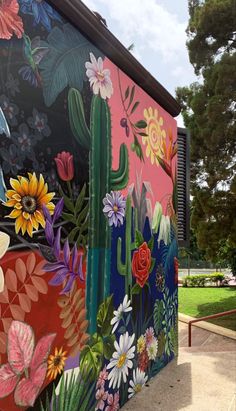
point(131, 97)
point(158, 316)
point(151, 243)
point(91, 357)
point(126, 93)
point(69, 217)
point(135, 106)
point(68, 203)
point(104, 316)
point(72, 234)
point(136, 289)
point(82, 214)
point(68, 51)
point(109, 346)
point(141, 124)
point(138, 149)
point(139, 240)
point(142, 134)
point(152, 265)
point(80, 199)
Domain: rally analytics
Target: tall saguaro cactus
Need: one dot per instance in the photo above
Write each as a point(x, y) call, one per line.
point(125, 268)
point(97, 140)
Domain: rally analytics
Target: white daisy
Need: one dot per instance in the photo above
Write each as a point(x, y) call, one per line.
point(123, 308)
point(152, 349)
point(139, 380)
point(121, 360)
point(99, 78)
point(4, 244)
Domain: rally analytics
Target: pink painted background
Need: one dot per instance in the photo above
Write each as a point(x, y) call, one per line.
point(161, 183)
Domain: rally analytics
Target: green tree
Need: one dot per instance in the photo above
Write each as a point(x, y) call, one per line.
point(209, 111)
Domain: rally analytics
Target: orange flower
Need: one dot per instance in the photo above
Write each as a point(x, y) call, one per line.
point(10, 22)
point(56, 363)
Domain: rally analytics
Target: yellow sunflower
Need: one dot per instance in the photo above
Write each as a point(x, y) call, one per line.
point(56, 363)
point(155, 135)
point(27, 197)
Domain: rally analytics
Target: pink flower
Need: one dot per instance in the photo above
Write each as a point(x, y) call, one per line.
point(113, 402)
point(99, 78)
point(149, 336)
point(27, 365)
point(102, 378)
point(101, 396)
point(65, 166)
point(10, 22)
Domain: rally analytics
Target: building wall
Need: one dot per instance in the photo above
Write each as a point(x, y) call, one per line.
point(88, 251)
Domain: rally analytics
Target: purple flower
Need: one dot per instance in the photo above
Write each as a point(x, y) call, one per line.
point(68, 266)
point(114, 208)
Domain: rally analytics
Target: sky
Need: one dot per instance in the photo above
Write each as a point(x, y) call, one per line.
point(157, 29)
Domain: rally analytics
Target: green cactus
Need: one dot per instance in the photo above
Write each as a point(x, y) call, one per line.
point(102, 179)
point(125, 268)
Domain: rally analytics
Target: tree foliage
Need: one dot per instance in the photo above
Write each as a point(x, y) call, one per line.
point(209, 111)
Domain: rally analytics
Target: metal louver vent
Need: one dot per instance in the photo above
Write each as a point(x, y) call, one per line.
point(183, 189)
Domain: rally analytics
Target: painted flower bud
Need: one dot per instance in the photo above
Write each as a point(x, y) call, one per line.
point(127, 131)
point(123, 122)
point(65, 166)
point(156, 217)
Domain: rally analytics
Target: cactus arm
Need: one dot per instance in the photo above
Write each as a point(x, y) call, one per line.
point(120, 177)
point(120, 265)
point(78, 124)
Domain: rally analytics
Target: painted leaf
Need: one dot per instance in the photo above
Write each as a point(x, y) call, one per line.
point(30, 263)
point(40, 284)
point(91, 357)
point(4, 243)
point(32, 292)
point(158, 316)
point(20, 346)
point(104, 316)
point(17, 312)
point(69, 332)
point(64, 66)
point(11, 280)
point(67, 321)
point(8, 380)
point(26, 391)
point(20, 269)
point(65, 311)
point(4, 297)
point(6, 322)
point(41, 353)
point(109, 346)
point(3, 342)
point(39, 268)
point(25, 302)
point(2, 280)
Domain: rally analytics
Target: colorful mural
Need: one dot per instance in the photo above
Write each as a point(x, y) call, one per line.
point(88, 251)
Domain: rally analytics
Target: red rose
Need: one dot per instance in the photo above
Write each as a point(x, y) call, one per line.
point(141, 264)
point(65, 166)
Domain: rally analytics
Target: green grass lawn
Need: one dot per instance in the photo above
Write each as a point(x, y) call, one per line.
point(199, 302)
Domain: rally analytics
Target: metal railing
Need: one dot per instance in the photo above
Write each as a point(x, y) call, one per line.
point(208, 317)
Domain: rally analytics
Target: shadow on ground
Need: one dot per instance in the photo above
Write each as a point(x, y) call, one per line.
point(160, 394)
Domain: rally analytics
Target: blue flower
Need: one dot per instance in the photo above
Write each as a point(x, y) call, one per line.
point(41, 11)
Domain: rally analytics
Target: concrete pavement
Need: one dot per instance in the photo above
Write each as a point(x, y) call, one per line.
point(202, 379)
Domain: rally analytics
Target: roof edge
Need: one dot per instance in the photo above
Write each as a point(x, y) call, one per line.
point(82, 18)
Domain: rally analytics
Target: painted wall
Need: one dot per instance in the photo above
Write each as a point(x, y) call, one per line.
point(88, 252)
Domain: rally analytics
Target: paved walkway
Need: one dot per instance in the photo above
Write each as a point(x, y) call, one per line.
point(202, 379)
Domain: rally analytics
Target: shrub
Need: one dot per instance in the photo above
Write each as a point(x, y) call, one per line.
point(202, 279)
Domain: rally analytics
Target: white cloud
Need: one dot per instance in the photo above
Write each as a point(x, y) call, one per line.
point(158, 35)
